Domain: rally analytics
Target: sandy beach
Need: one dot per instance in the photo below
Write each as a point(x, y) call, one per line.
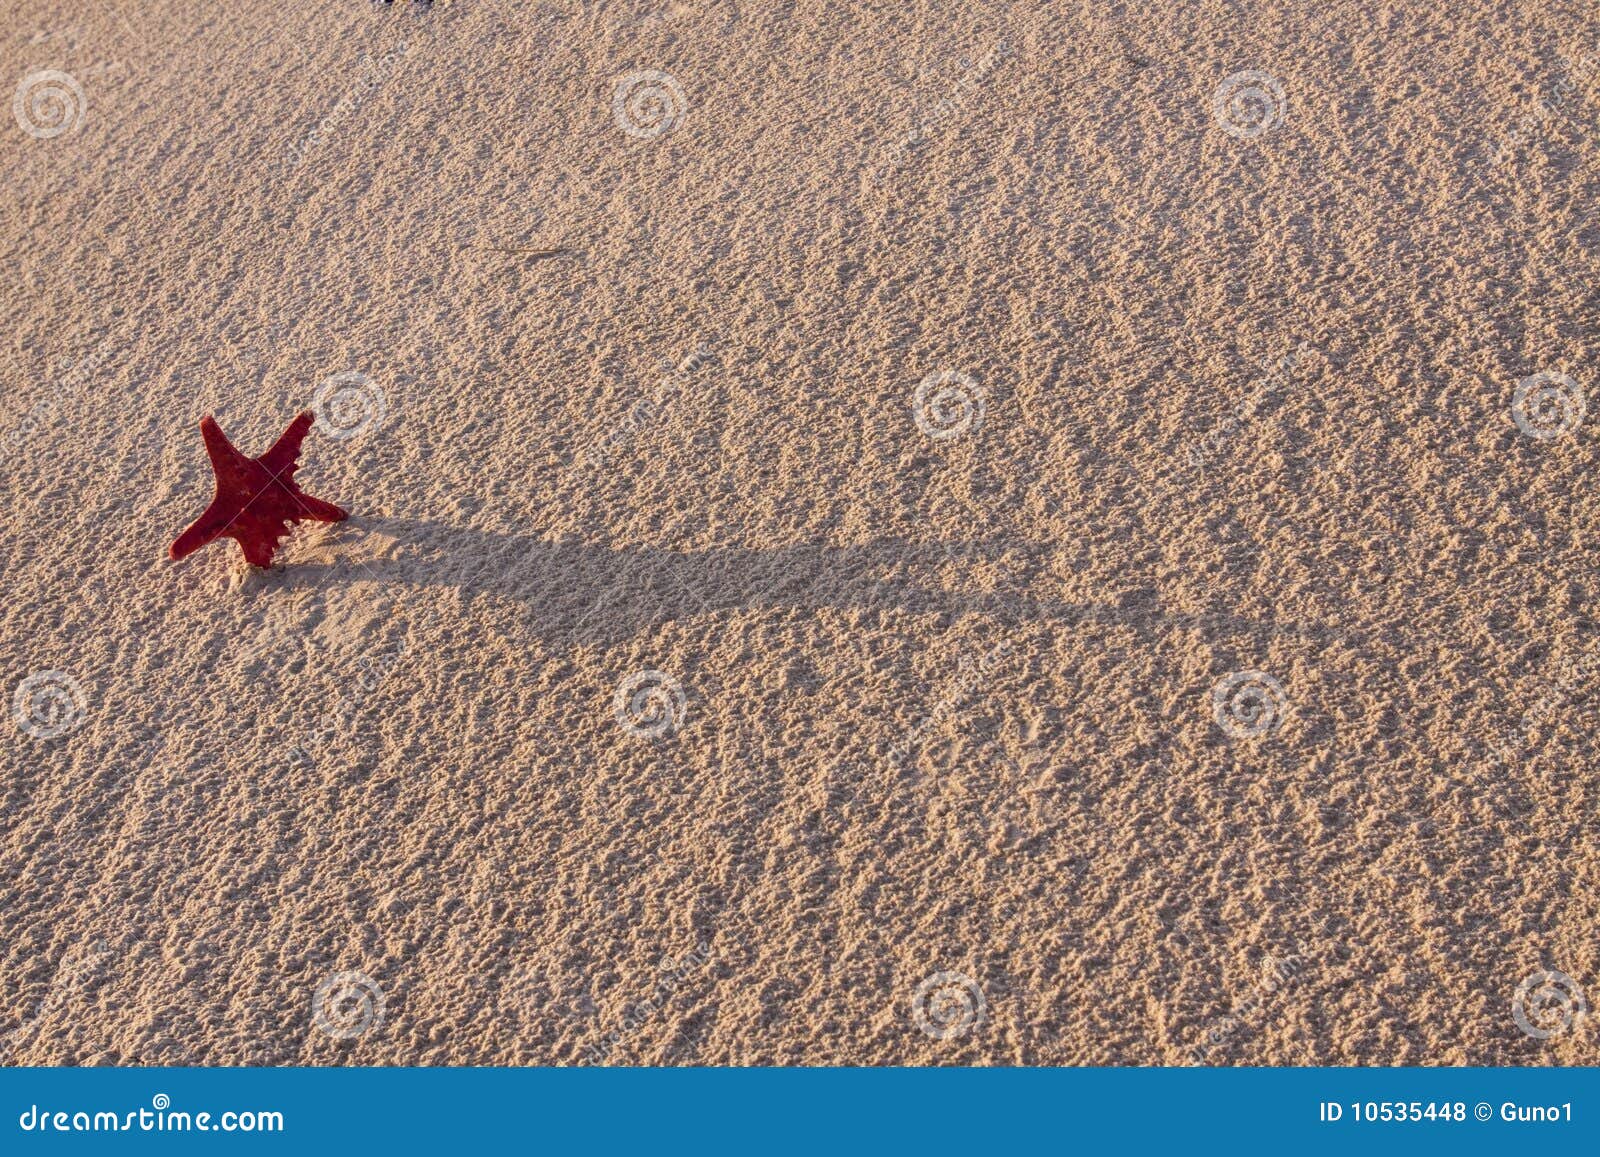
point(880, 534)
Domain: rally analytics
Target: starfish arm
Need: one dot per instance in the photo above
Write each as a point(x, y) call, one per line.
point(259, 530)
point(260, 547)
point(281, 459)
point(207, 528)
point(224, 458)
point(316, 508)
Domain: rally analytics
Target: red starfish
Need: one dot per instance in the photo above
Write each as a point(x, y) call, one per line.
point(256, 498)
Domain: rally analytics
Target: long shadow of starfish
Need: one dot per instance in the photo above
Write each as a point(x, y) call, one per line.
point(606, 594)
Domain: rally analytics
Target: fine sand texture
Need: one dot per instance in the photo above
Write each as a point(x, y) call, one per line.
point(881, 533)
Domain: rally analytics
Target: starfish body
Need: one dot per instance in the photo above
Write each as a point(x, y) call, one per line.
point(256, 498)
